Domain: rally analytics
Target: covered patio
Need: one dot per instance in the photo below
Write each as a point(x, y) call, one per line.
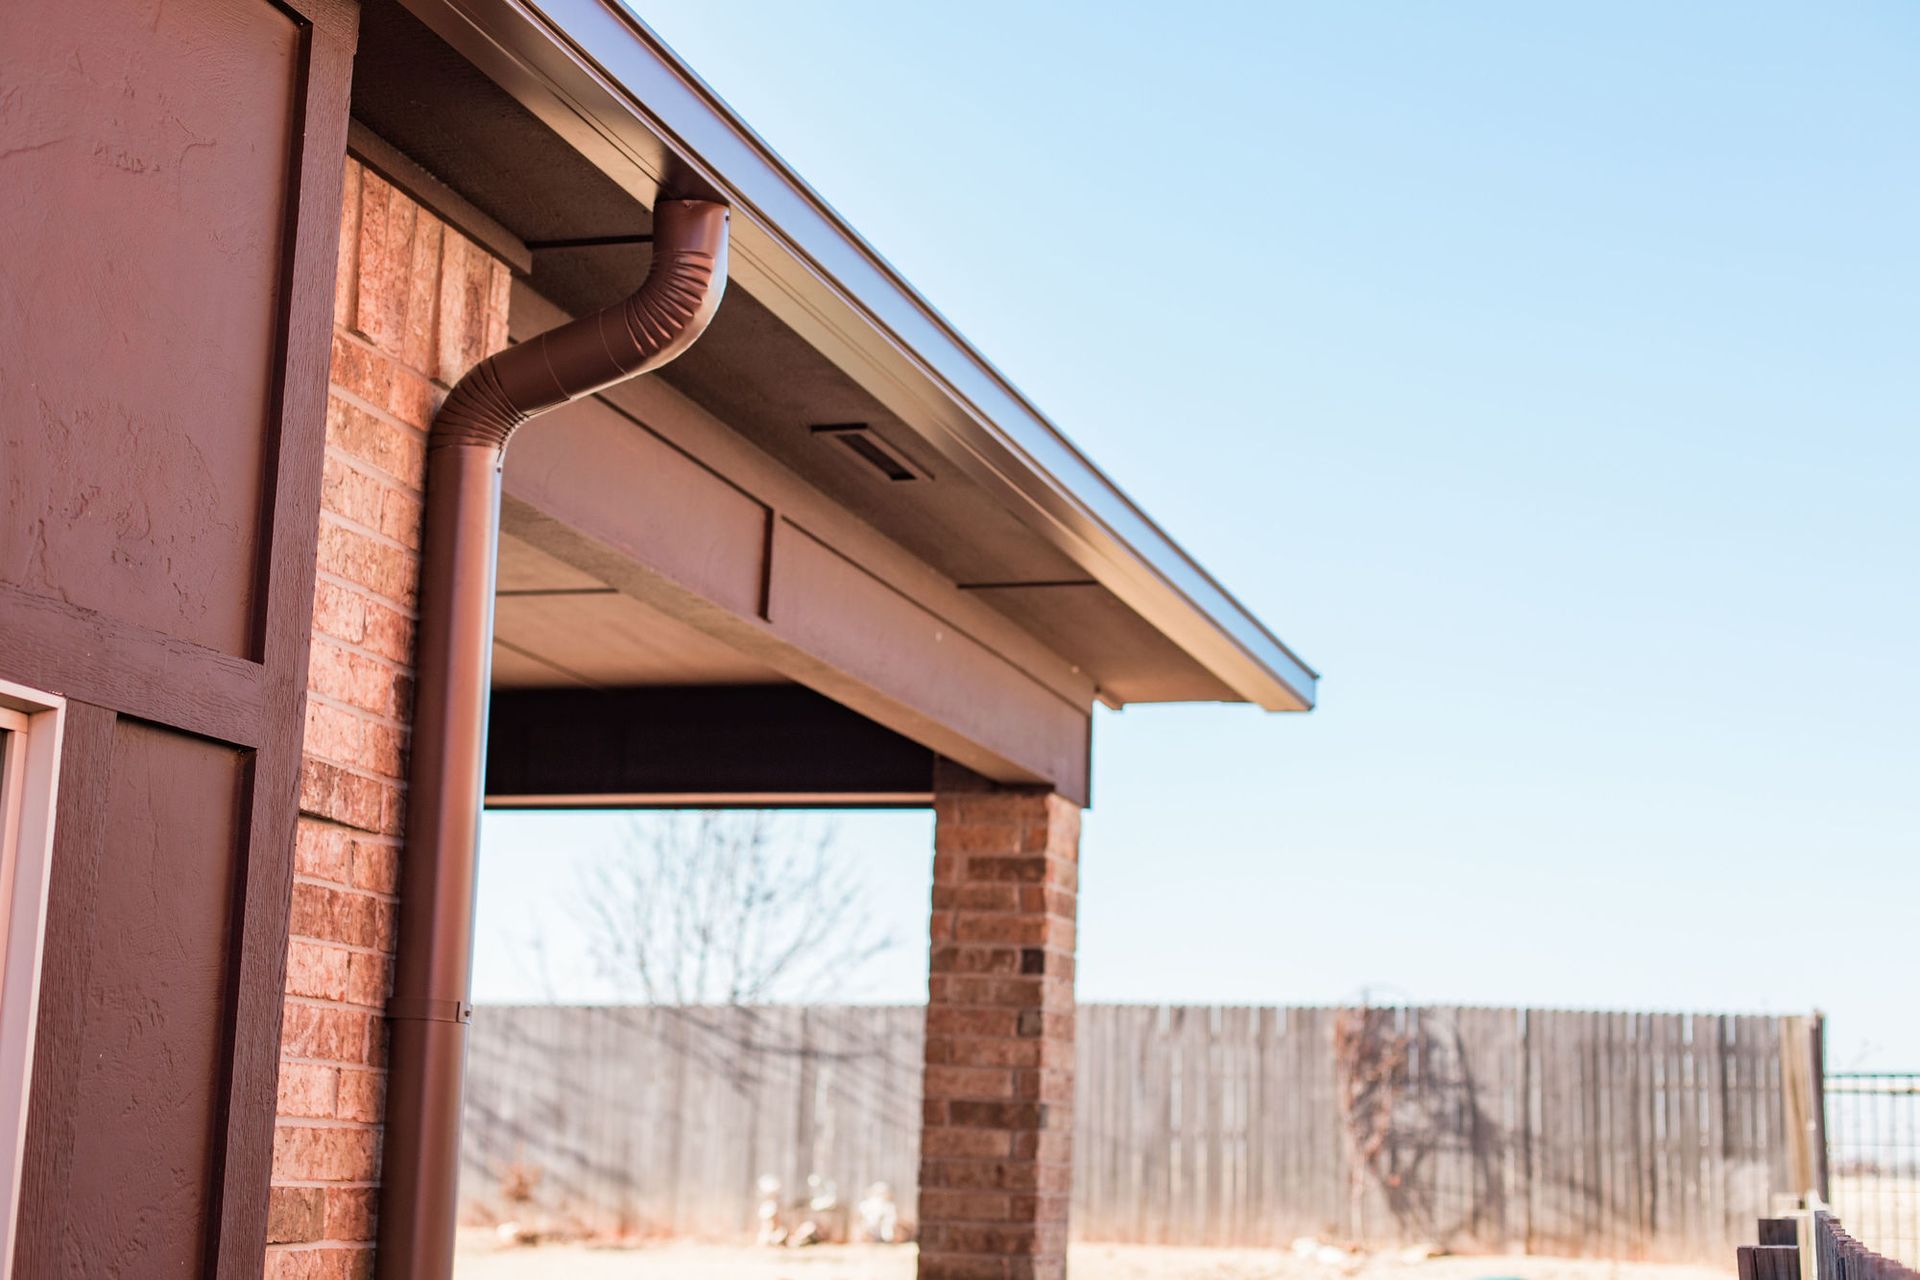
point(827, 557)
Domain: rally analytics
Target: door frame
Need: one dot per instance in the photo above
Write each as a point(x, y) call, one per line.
point(33, 723)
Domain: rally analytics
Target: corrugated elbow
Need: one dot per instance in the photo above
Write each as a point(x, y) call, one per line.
point(664, 317)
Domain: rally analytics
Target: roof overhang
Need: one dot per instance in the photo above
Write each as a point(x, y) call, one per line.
point(596, 76)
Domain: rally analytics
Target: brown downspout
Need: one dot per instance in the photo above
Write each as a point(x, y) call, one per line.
point(429, 1009)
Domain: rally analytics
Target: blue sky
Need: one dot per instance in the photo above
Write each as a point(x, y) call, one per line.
point(1547, 375)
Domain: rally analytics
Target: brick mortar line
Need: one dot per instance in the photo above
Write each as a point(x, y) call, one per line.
point(380, 718)
point(302, 877)
point(945, 1038)
point(357, 649)
point(328, 1123)
point(324, 1123)
point(351, 949)
point(318, 756)
point(360, 339)
point(351, 397)
point(997, 917)
point(337, 825)
point(321, 817)
point(342, 1006)
point(372, 470)
point(303, 1060)
point(369, 532)
point(358, 772)
point(354, 647)
point(962, 878)
point(392, 780)
point(330, 516)
point(410, 612)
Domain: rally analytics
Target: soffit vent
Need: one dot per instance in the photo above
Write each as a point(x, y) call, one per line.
point(860, 440)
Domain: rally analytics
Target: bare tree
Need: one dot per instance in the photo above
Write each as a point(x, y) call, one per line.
point(728, 908)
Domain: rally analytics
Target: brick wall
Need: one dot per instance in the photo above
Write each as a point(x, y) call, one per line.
point(415, 305)
point(996, 1153)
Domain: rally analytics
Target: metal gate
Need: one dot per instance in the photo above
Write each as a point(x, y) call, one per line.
point(1873, 1155)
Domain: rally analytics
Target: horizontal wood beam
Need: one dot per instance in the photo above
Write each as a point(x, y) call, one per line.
point(649, 493)
point(765, 746)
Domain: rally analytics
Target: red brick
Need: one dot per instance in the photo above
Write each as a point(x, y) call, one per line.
point(389, 572)
point(393, 811)
point(351, 1212)
point(969, 1082)
point(356, 680)
point(376, 866)
point(999, 1044)
point(322, 850)
point(981, 1174)
point(328, 1033)
point(957, 959)
point(325, 1262)
point(296, 1214)
point(997, 1240)
point(390, 450)
point(336, 915)
point(936, 1142)
point(368, 979)
point(362, 1095)
point(965, 1206)
point(329, 791)
point(383, 383)
point(972, 1114)
point(400, 516)
point(308, 1090)
point(969, 1051)
point(1033, 930)
point(947, 1020)
point(328, 1153)
point(964, 1266)
point(466, 297)
point(316, 970)
point(350, 494)
point(389, 633)
point(977, 897)
point(399, 252)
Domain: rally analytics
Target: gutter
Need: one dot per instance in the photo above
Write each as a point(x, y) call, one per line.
point(431, 1002)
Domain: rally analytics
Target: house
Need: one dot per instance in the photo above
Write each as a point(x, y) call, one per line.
point(282, 278)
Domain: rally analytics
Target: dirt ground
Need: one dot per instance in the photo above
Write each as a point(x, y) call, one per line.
point(482, 1258)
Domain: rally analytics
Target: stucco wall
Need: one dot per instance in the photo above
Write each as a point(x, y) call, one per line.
point(415, 305)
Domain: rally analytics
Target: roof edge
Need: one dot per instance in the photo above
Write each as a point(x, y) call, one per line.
point(594, 73)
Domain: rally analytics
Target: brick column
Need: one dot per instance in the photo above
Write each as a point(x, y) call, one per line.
point(415, 304)
point(996, 1157)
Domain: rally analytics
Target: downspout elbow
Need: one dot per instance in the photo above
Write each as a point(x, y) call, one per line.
point(429, 1008)
point(666, 315)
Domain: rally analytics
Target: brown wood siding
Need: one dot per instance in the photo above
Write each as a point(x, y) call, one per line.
point(145, 228)
point(169, 181)
point(153, 1041)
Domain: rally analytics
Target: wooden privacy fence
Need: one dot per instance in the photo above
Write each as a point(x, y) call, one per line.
point(660, 1120)
point(1611, 1134)
point(1810, 1244)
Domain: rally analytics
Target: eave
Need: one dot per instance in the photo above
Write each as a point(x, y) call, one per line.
point(614, 91)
